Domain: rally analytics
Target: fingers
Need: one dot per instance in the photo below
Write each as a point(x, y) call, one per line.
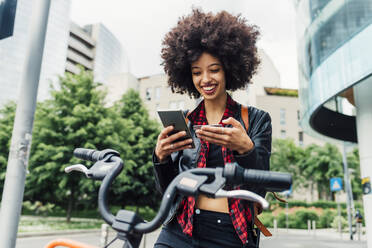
point(232, 122)
point(215, 132)
point(164, 133)
point(180, 145)
point(216, 135)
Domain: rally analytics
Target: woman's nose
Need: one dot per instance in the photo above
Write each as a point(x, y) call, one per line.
point(206, 77)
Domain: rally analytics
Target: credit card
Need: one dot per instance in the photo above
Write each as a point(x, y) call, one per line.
point(195, 127)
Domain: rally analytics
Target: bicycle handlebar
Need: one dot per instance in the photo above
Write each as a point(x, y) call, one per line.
point(269, 180)
point(93, 155)
point(188, 183)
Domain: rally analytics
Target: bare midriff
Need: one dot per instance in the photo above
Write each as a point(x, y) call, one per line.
point(217, 205)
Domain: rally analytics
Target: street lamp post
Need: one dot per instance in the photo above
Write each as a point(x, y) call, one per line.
point(12, 198)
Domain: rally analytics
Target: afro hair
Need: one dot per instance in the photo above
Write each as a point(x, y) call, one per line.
point(226, 37)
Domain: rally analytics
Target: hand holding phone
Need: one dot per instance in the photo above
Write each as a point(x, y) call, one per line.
point(175, 136)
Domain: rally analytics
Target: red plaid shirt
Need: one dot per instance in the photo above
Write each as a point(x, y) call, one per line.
point(239, 212)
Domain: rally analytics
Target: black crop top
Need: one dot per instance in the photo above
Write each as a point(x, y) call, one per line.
point(215, 158)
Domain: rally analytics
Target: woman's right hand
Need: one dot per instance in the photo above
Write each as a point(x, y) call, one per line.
point(166, 143)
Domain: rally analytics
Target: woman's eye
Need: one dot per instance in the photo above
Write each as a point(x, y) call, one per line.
point(215, 70)
point(196, 73)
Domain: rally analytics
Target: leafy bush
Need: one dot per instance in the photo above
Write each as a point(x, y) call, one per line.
point(297, 203)
point(324, 204)
point(300, 218)
point(267, 219)
point(281, 220)
point(145, 213)
point(38, 208)
point(336, 220)
point(326, 219)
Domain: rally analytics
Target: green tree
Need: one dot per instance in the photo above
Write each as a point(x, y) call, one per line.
point(319, 165)
point(75, 116)
point(137, 180)
point(7, 114)
point(354, 166)
point(285, 157)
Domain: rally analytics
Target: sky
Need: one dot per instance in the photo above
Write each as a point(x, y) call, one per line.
point(140, 26)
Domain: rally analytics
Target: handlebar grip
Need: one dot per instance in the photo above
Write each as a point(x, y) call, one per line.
point(87, 154)
point(271, 181)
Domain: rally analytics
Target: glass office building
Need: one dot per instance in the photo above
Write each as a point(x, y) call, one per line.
point(13, 49)
point(334, 40)
point(109, 58)
point(335, 75)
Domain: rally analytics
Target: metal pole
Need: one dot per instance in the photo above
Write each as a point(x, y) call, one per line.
point(21, 137)
point(144, 240)
point(339, 215)
point(314, 227)
point(286, 215)
point(104, 235)
point(349, 192)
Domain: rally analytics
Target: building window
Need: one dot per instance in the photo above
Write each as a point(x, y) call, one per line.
point(282, 116)
point(301, 138)
point(148, 94)
point(298, 116)
point(283, 134)
point(157, 93)
point(173, 105)
point(181, 104)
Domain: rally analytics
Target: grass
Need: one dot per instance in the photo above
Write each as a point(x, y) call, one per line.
point(47, 224)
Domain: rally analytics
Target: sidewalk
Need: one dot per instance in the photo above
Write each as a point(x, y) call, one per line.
point(328, 233)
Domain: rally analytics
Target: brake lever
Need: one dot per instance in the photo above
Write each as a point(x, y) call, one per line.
point(242, 194)
point(80, 168)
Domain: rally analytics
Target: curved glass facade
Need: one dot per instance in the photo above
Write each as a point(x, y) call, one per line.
point(334, 53)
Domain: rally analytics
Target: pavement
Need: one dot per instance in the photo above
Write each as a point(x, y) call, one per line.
point(282, 238)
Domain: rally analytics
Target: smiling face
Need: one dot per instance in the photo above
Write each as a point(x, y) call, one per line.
point(209, 77)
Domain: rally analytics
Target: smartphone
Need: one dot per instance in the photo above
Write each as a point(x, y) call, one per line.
point(177, 119)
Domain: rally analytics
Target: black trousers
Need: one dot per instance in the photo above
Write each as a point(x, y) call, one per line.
point(210, 230)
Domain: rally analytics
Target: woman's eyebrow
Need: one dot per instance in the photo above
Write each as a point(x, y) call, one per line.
point(197, 67)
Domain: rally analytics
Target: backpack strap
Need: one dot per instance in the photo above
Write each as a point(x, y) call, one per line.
point(186, 114)
point(257, 222)
point(245, 117)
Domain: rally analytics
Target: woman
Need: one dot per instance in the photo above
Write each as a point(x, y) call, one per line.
point(205, 55)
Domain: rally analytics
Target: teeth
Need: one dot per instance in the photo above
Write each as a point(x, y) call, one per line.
point(208, 88)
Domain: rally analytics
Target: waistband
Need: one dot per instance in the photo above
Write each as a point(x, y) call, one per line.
point(201, 213)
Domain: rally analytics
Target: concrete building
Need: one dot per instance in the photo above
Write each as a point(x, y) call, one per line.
point(335, 71)
point(284, 110)
point(94, 47)
point(80, 50)
point(13, 53)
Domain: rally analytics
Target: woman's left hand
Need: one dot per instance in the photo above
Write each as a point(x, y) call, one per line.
point(235, 137)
